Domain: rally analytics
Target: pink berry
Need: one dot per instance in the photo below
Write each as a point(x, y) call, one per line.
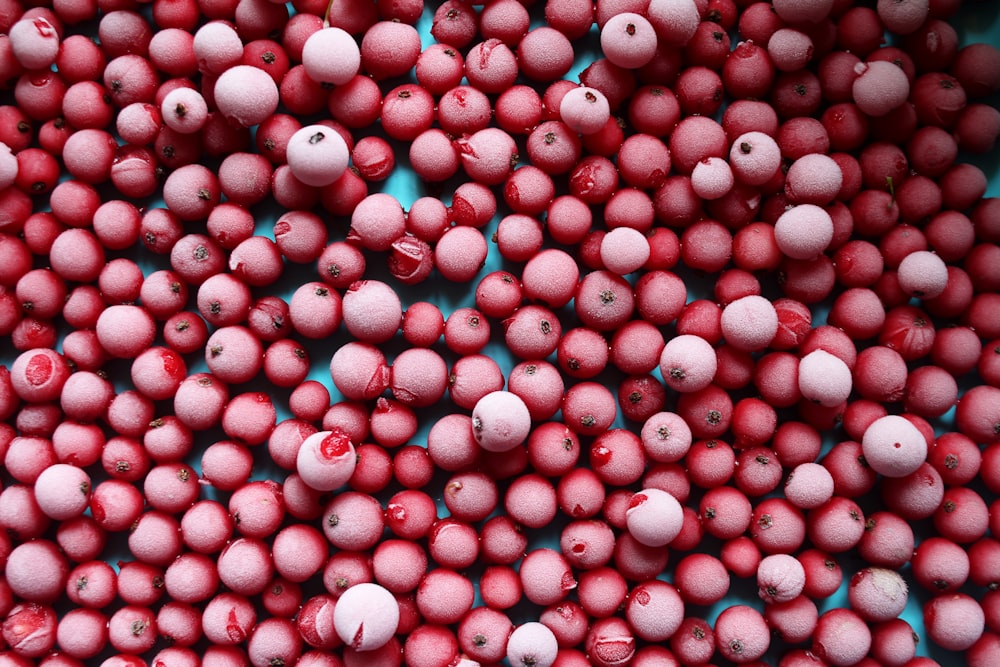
point(741, 634)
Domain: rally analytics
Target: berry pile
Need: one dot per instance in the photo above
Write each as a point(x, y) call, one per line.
point(343, 332)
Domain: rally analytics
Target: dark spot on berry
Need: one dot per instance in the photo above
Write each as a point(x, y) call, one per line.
point(765, 521)
point(634, 397)
point(268, 57)
point(317, 137)
point(607, 296)
point(200, 253)
point(713, 417)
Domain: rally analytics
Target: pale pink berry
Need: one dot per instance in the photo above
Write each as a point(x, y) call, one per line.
point(654, 517)
point(824, 378)
point(585, 110)
point(893, 446)
point(532, 645)
point(688, 363)
point(366, 616)
point(803, 232)
point(880, 87)
point(332, 56)
point(63, 491)
point(628, 40)
point(749, 323)
point(326, 460)
point(923, 274)
point(317, 155)
point(780, 578)
point(246, 95)
point(500, 421)
point(712, 178)
point(754, 158)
